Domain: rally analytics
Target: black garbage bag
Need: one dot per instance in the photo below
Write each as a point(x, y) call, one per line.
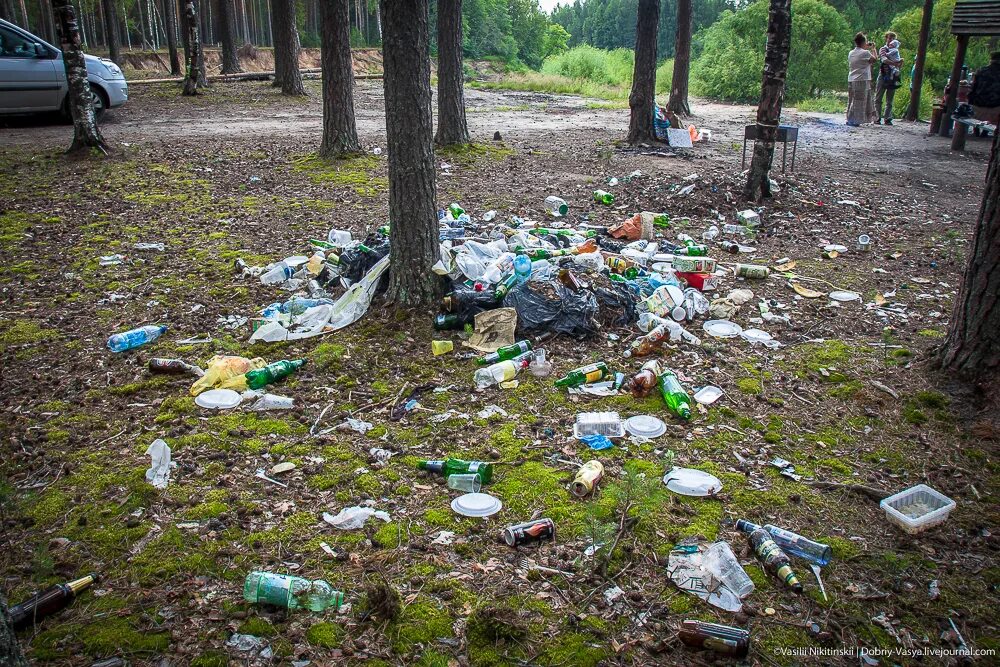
point(551, 306)
point(617, 305)
point(355, 263)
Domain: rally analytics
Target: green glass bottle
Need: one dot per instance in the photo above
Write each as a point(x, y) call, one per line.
point(322, 245)
point(544, 231)
point(504, 286)
point(283, 590)
point(459, 467)
point(584, 375)
point(694, 250)
point(455, 210)
point(604, 197)
point(661, 220)
point(384, 230)
point(674, 395)
point(505, 353)
point(272, 373)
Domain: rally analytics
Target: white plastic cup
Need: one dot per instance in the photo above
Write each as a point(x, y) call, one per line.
point(339, 237)
point(467, 483)
point(864, 243)
point(720, 560)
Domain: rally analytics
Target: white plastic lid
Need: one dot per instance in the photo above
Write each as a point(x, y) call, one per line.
point(708, 395)
point(691, 482)
point(755, 335)
point(645, 426)
point(476, 504)
point(722, 328)
point(844, 295)
point(220, 399)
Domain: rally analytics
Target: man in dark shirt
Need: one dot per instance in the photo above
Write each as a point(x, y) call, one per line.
point(985, 94)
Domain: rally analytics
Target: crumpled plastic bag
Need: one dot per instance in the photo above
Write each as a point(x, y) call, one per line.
point(222, 368)
point(351, 518)
point(244, 643)
point(159, 468)
point(639, 226)
point(318, 320)
point(554, 307)
point(617, 305)
point(684, 567)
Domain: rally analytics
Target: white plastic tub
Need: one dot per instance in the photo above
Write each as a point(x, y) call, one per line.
point(918, 508)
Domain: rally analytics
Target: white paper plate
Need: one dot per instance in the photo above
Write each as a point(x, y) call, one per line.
point(722, 328)
point(476, 504)
point(691, 482)
point(218, 399)
point(844, 295)
point(645, 426)
point(708, 395)
point(755, 335)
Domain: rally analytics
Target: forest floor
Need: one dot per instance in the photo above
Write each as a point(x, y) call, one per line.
point(232, 174)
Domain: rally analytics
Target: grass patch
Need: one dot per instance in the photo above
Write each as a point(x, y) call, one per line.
point(356, 173)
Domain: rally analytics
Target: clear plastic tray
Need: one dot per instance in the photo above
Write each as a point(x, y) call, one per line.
point(608, 424)
point(918, 508)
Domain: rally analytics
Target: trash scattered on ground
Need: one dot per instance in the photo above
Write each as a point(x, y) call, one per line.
point(218, 399)
point(47, 602)
point(587, 478)
point(356, 425)
point(351, 518)
point(686, 571)
point(158, 473)
point(724, 639)
point(289, 592)
point(708, 394)
point(476, 505)
point(281, 468)
point(244, 643)
point(691, 482)
point(135, 338)
point(918, 508)
point(538, 530)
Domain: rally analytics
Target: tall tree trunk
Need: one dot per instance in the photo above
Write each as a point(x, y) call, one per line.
point(413, 233)
point(678, 102)
point(202, 68)
point(452, 127)
point(170, 27)
point(913, 110)
point(194, 51)
point(643, 96)
point(86, 134)
point(10, 650)
point(340, 133)
point(972, 348)
point(286, 45)
point(772, 94)
point(227, 28)
point(276, 28)
point(111, 30)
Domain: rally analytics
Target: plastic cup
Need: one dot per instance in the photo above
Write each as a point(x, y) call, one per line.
point(720, 560)
point(439, 347)
point(467, 483)
point(864, 242)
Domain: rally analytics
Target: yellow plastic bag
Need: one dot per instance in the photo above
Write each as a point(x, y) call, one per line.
point(221, 369)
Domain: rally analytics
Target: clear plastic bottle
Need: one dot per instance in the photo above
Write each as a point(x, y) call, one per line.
point(135, 337)
point(278, 273)
point(501, 372)
point(793, 543)
point(496, 271)
point(522, 268)
point(555, 206)
point(282, 590)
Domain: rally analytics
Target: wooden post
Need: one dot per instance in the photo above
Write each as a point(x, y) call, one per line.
point(951, 97)
point(958, 137)
point(913, 110)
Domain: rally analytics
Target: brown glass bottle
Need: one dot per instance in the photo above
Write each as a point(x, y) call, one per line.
point(714, 637)
point(48, 602)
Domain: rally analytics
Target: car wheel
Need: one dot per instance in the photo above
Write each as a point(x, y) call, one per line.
point(100, 105)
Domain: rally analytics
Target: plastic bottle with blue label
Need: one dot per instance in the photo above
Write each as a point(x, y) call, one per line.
point(135, 337)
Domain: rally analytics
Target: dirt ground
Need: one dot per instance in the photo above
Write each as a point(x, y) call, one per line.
point(851, 398)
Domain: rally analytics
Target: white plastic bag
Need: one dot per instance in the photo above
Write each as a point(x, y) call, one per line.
point(351, 518)
point(159, 468)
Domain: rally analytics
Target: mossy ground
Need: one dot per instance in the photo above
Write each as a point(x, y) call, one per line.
point(79, 420)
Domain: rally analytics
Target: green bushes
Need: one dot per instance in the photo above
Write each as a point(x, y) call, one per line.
point(596, 65)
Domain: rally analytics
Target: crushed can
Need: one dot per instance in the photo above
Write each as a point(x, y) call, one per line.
point(587, 477)
point(538, 530)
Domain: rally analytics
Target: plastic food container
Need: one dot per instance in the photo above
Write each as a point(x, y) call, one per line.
point(918, 508)
point(608, 424)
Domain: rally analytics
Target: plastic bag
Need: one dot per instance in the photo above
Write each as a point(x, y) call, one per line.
point(553, 307)
point(355, 263)
point(159, 467)
point(350, 518)
point(223, 368)
point(617, 305)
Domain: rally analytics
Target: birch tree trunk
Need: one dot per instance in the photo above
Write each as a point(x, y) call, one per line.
point(413, 233)
point(340, 133)
point(80, 98)
point(643, 95)
point(227, 28)
point(678, 102)
point(193, 49)
point(111, 31)
point(772, 94)
point(452, 126)
point(972, 348)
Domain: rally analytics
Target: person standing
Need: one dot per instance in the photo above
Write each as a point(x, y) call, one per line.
point(985, 94)
point(890, 63)
point(860, 101)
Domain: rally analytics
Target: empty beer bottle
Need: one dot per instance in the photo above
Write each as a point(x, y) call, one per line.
point(774, 558)
point(645, 381)
point(792, 543)
point(501, 371)
point(714, 637)
point(272, 373)
point(450, 467)
point(604, 197)
point(455, 209)
point(693, 250)
point(674, 395)
point(47, 602)
point(505, 353)
point(584, 375)
point(283, 590)
point(505, 286)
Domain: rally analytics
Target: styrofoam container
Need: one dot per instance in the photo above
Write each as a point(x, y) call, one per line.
point(608, 424)
point(918, 508)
